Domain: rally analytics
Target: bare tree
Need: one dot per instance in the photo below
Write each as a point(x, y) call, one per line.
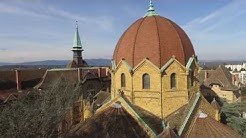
point(39, 113)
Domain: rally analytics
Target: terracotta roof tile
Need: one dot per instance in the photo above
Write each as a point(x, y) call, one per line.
point(155, 38)
point(221, 76)
point(11, 95)
point(215, 104)
point(101, 97)
point(202, 73)
point(112, 122)
point(153, 121)
point(207, 127)
point(28, 78)
point(168, 133)
point(72, 64)
point(54, 75)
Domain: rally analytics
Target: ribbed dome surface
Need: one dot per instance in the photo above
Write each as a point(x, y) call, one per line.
point(156, 38)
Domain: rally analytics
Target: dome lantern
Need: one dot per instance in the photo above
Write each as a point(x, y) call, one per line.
point(151, 10)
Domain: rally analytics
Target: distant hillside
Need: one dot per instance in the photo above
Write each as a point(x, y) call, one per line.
point(4, 63)
point(98, 62)
point(222, 61)
point(212, 64)
point(45, 62)
point(92, 62)
point(51, 64)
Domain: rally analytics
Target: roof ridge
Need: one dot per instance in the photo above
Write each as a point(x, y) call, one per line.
point(171, 23)
point(138, 116)
point(128, 108)
point(135, 40)
point(192, 125)
point(198, 95)
point(215, 128)
point(227, 75)
point(158, 35)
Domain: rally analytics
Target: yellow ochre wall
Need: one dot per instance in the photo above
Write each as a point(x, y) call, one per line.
point(174, 99)
point(116, 81)
point(148, 99)
point(160, 99)
point(228, 95)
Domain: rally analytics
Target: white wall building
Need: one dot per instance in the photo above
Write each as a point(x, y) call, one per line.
point(236, 71)
point(241, 76)
point(236, 67)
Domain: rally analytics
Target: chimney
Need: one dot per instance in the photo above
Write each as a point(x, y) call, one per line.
point(106, 71)
point(233, 79)
point(205, 75)
point(99, 72)
point(79, 74)
point(18, 81)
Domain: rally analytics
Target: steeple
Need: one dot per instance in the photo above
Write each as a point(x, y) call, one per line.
point(77, 41)
point(77, 51)
point(151, 10)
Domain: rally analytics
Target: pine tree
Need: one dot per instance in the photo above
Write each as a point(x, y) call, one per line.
point(234, 116)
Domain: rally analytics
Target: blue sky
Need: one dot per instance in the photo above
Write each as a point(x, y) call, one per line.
point(32, 30)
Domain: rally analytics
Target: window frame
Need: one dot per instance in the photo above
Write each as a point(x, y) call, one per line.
point(173, 81)
point(146, 81)
point(122, 80)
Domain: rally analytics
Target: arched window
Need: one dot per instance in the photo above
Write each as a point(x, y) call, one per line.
point(173, 81)
point(123, 80)
point(146, 81)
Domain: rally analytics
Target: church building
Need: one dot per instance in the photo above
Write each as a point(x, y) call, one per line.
point(154, 64)
point(154, 91)
point(77, 49)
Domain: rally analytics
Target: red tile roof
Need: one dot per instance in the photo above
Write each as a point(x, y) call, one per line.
point(156, 38)
point(215, 104)
point(168, 133)
point(206, 127)
point(25, 75)
point(53, 75)
point(113, 122)
point(28, 78)
point(9, 95)
point(221, 76)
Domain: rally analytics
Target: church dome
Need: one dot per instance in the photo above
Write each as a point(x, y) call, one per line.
point(156, 38)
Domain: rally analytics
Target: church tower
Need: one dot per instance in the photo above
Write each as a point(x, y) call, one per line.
point(154, 65)
point(77, 51)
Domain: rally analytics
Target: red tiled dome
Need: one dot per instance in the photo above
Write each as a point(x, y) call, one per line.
point(156, 38)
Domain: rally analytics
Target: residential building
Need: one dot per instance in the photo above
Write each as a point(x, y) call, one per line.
point(219, 83)
point(237, 67)
point(240, 77)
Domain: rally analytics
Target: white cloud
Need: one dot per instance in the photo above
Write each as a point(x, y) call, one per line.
point(229, 12)
point(101, 21)
point(10, 9)
point(21, 51)
point(24, 51)
point(220, 33)
point(105, 23)
point(51, 41)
